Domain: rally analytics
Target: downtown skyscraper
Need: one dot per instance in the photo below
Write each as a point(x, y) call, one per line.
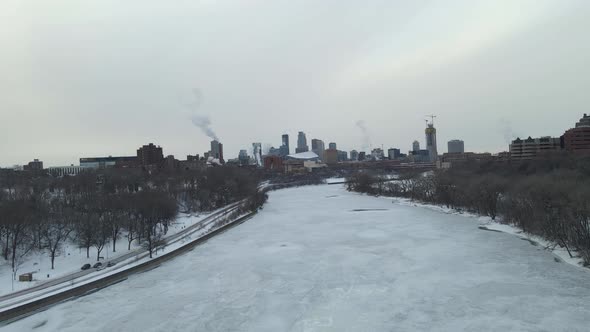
point(301, 143)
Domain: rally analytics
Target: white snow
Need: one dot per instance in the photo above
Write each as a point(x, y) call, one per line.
point(319, 258)
point(335, 180)
point(140, 258)
point(487, 223)
point(72, 258)
point(304, 155)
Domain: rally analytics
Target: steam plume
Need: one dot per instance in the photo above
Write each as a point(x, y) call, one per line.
point(506, 130)
point(366, 143)
point(203, 122)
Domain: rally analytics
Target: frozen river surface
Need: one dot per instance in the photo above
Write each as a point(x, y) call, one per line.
point(321, 259)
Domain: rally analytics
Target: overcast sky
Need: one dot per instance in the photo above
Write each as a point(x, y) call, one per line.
point(102, 77)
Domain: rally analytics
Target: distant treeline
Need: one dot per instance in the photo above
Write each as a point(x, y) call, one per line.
point(94, 209)
point(549, 197)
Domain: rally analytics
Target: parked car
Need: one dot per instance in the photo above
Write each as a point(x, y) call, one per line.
point(109, 264)
point(97, 265)
point(86, 266)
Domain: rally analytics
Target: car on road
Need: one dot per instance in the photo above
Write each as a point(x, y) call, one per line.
point(109, 264)
point(97, 265)
point(86, 266)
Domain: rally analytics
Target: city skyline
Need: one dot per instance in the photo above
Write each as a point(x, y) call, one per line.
point(491, 71)
point(284, 138)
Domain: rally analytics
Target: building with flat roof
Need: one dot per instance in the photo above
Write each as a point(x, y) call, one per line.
point(272, 151)
point(217, 150)
point(285, 149)
point(311, 166)
point(394, 154)
point(35, 165)
point(416, 146)
point(294, 166)
point(522, 149)
point(318, 147)
point(577, 139)
point(331, 156)
point(377, 154)
point(420, 156)
point(454, 158)
point(301, 143)
point(243, 158)
point(106, 162)
point(150, 155)
point(430, 132)
point(456, 146)
point(273, 163)
point(71, 170)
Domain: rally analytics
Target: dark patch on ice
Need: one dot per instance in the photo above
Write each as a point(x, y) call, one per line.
point(557, 259)
point(364, 210)
point(535, 243)
point(487, 229)
point(40, 324)
point(332, 196)
point(149, 269)
point(283, 245)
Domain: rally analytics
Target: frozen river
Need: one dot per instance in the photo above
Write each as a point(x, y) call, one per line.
point(321, 259)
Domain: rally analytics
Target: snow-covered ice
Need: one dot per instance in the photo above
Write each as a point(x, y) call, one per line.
point(319, 258)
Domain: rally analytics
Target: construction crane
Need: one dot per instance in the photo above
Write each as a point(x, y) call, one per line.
point(431, 116)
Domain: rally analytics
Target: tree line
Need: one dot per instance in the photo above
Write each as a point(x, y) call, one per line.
point(548, 197)
point(95, 209)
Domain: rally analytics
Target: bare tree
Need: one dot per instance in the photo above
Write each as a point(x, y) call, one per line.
point(154, 210)
point(21, 213)
point(100, 237)
point(84, 229)
point(57, 228)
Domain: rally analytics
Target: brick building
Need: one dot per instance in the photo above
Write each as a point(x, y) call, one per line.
point(331, 156)
point(273, 163)
point(150, 155)
point(577, 139)
point(35, 165)
point(529, 148)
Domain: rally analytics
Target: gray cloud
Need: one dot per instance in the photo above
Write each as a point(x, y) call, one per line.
point(71, 89)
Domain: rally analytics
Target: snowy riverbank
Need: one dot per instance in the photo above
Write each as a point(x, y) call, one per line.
point(319, 258)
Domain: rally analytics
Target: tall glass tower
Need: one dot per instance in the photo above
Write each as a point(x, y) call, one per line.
point(301, 143)
point(431, 142)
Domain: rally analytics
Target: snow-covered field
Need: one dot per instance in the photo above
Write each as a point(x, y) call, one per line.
point(319, 258)
point(72, 258)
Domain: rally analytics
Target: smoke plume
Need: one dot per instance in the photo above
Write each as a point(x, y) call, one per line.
point(506, 130)
point(366, 138)
point(203, 122)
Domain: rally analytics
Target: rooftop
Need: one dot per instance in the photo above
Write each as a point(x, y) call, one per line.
point(303, 155)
